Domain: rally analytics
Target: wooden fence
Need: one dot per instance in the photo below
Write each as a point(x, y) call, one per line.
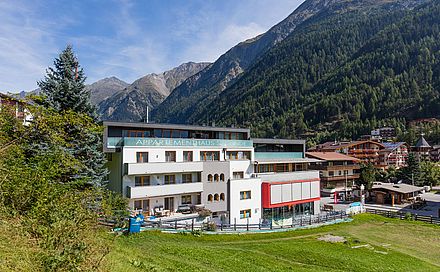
point(409, 216)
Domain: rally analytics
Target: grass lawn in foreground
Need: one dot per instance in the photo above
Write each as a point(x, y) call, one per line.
point(374, 243)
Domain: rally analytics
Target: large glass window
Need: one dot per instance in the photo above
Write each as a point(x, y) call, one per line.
point(187, 156)
point(186, 199)
point(143, 205)
point(170, 179)
point(141, 157)
point(245, 195)
point(209, 155)
point(245, 214)
point(142, 181)
point(238, 175)
point(170, 156)
point(186, 178)
point(238, 155)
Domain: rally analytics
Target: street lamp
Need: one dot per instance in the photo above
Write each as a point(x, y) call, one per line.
point(362, 194)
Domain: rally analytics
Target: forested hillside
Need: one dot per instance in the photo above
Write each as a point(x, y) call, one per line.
point(353, 66)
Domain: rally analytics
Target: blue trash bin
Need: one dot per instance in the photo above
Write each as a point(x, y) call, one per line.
point(135, 223)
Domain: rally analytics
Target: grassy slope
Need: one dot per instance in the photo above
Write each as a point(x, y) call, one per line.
point(396, 245)
point(17, 252)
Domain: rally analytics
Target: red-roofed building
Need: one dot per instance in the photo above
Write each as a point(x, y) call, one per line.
point(338, 172)
point(366, 151)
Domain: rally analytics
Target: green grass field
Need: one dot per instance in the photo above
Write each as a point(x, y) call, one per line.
point(385, 245)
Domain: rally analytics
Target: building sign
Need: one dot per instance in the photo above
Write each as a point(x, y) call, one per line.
point(159, 142)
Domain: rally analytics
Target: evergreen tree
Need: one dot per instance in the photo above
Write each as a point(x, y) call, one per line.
point(368, 175)
point(411, 173)
point(63, 85)
point(65, 92)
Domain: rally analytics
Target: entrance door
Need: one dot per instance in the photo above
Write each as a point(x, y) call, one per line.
point(169, 203)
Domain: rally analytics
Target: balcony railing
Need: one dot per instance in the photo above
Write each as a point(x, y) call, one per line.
point(164, 190)
point(278, 155)
point(162, 167)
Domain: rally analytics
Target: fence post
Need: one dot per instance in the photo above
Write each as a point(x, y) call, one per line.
point(318, 218)
point(326, 217)
point(192, 225)
point(310, 220)
point(301, 222)
point(259, 223)
point(247, 224)
point(431, 218)
point(175, 224)
point(415, 217)
point(160, 223)
point(235, 224)
point(271, 222)
point(341, 215)
point(221, 226)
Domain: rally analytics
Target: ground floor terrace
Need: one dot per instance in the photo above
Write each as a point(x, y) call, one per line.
point(166, 205)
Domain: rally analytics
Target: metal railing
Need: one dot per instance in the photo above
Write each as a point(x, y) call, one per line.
point(262, 225)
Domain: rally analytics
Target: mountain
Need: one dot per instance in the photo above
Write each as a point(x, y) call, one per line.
point(352, 66)
point(130, 103)
point(193, 95)
point(104, 88)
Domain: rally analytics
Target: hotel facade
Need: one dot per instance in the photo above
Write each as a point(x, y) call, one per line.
point(169, 171)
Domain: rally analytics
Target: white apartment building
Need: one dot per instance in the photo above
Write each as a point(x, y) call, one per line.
point(165, 169)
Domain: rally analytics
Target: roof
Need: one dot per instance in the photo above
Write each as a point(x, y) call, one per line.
point(340, 145)
point(277, 141)
point(398, 188)
point(172, 126)
point(392, 145)
point(422, 142)
point(331, 156)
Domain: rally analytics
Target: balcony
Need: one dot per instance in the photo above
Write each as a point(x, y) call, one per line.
point(338, 178)
point(164, 190)
point(162, 167)
point(334, 167)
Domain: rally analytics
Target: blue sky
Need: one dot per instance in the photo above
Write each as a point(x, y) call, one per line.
point(126, 39)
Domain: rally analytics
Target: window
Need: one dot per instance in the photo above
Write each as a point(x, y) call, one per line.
point(138, 133)
point(142, 181)
point(141, 157)
point(187, 156)
point(186, 199)
point(222, 197)
point(210, 178)
point(216, 197)
point(340, 173)
point(245, 195)
point(143, 205)
point(238, 155)
point(245, 214)
point(238, 175)
point(216, 178)
point(210, 198)
point(222, 177)
point(170, 156)
point(170, 179)
point(331, 173)
point(186, 178)
point(209, 155)
point(166, 133)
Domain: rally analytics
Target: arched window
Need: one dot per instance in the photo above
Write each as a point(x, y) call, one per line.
point(209, 198)
point(222, 197)
point(222, 177)
point(216, 178)
point(216, 197)
point(210, 178)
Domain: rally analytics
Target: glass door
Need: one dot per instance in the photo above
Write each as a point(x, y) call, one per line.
point(169, 203)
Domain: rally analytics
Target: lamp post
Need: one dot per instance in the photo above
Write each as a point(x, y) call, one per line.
point(362, 194)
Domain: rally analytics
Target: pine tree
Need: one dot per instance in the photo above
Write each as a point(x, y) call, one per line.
point(65, 92)
point(64, 87)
